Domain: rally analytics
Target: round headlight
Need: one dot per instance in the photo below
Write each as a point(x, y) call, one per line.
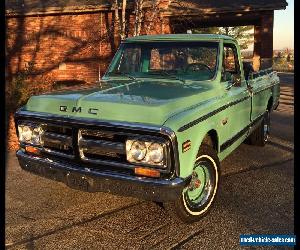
point(25, 133)
point(36, 135)
point(138, 150)
point(156, 152)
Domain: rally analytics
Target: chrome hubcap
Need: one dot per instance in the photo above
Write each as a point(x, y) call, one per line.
point(201, 186)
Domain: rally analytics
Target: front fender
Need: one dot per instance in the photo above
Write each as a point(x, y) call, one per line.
point(193, 124)
point(195, 135)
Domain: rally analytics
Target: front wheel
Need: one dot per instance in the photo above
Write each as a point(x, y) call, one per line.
point(197, 198)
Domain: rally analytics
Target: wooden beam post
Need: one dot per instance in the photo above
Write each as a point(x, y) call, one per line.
point(257, 47)
point(263, 41)
point(267, 40)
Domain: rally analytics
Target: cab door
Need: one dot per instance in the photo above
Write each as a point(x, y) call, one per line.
point(237, 96)
point(261, 93)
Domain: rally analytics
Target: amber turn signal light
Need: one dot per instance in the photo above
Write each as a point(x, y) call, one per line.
point(147, 172)
point(32, 150)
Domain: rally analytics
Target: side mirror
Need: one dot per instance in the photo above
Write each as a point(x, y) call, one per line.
point(235, 81)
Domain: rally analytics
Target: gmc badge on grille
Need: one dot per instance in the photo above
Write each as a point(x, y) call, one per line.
point(91, 111)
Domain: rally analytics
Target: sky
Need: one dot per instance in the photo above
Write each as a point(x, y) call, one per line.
point(284, 27)
point(283, 32)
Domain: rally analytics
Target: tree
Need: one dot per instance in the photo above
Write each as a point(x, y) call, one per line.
point(123, 26)
point(140, 9)
point(209, 30)
point(154, 13)
point(241, 33)
point(117, 18)
point(279, 54)
point(139, 14)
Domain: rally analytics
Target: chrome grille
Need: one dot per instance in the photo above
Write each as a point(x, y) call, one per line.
point(98, 146)
point(97, 134)
point(57, 140)
point(92, 129)
point(89, 147)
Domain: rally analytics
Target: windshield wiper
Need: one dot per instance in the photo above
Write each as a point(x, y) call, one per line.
point(169, 74)
point(123, 74)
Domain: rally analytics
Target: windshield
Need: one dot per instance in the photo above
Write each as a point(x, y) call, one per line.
point(179, 60)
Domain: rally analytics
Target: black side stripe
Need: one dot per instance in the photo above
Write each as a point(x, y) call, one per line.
point(203, 118)
point(228, 143)
point(233, 139)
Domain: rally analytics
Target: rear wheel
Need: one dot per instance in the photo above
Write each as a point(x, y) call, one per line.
point(197, 198)
point(260, 136)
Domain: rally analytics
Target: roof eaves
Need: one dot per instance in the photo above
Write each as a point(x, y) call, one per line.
point(56, 10)
point(243, 9)
point(170, 11)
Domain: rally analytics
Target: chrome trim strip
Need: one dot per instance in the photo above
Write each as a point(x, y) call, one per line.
point(49, 151)
point(266, 88)
point(86, 121)
point(57, 138)
point(101, 145)
point(57, 153)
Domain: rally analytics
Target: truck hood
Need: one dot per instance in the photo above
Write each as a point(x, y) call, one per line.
point(140, 101)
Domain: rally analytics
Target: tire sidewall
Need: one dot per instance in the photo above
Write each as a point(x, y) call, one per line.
point(206, 154)
point(257, 138)
point(266, 121)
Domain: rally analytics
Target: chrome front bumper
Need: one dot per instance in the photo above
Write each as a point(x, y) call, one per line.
point(90, 180)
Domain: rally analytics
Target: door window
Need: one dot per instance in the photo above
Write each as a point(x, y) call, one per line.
point(230, 62)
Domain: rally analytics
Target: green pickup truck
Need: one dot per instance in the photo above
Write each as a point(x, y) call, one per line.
point(168, 110)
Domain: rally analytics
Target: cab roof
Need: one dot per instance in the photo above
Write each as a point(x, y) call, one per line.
point(179, 37)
